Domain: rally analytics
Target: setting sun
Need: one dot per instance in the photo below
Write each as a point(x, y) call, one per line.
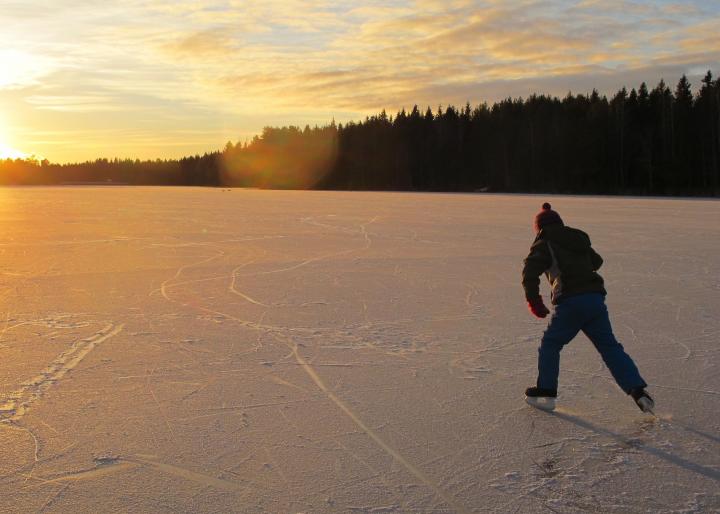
point(6, 150)
point(10, 153)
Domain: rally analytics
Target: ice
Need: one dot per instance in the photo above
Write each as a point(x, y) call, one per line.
point(207, 350)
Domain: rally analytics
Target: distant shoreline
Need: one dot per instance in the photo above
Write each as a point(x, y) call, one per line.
point(106, 185)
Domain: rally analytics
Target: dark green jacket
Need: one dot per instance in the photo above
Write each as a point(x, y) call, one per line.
point(565, 256)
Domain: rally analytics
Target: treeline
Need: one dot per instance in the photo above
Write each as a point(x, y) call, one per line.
point(285, 158)
point(661, 141)
point(658, 141)
point(105, 171)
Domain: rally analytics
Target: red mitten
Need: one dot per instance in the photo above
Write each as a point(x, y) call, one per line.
point(537, 307)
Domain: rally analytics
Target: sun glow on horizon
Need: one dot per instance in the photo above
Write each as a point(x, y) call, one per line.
point(6, 152)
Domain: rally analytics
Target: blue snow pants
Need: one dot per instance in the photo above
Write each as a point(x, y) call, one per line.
point(586, 312)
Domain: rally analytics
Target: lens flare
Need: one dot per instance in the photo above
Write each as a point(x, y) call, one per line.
point(287, 158)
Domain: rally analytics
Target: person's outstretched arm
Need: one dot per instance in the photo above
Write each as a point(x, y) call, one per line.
point(535, 264)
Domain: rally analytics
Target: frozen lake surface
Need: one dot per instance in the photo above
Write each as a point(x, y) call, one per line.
point(208, 350)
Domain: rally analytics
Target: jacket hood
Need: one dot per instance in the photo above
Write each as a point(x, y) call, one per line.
point(571, 238)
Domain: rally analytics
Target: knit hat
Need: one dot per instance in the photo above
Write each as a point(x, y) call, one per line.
point(546, 217)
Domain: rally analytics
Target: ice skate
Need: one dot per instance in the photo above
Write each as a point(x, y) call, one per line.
point(643, 400)
point(543, 399)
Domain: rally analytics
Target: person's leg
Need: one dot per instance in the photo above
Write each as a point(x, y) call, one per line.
point(563, 326)
point(599, 331)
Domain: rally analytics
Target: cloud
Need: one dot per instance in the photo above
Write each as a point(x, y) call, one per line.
point(20, 68)
point(74, 103)
point(202, 44)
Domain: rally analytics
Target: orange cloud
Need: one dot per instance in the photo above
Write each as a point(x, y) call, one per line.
point(201, 44)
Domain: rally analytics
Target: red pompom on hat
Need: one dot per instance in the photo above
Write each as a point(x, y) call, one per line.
point(546, 217)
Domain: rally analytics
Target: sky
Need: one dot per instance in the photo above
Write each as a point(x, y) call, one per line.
point(82, 79)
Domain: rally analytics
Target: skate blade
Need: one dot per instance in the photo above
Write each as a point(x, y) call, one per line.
point(646, 405)
point(541, 402)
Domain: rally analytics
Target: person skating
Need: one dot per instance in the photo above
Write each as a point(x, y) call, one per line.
point(567, 259)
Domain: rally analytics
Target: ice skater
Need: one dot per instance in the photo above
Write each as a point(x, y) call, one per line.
point(570, 264)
